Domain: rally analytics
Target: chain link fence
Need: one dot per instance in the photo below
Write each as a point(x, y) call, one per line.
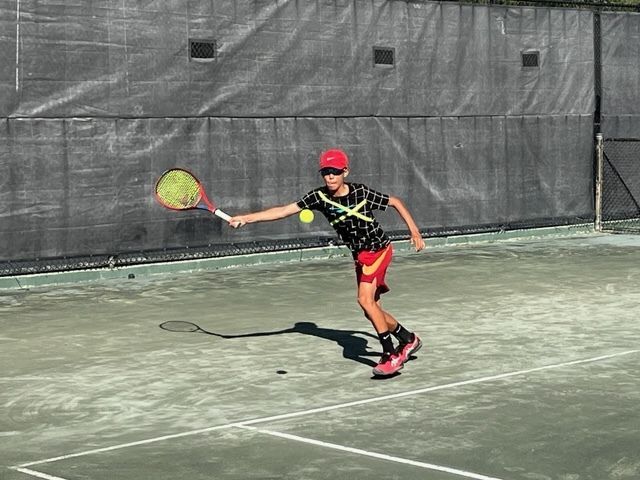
point(618, 202)
point(90, 262)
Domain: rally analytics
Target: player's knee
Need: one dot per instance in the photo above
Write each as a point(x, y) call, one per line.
point(366, 302)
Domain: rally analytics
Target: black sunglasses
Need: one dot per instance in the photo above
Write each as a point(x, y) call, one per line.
point(331, 171)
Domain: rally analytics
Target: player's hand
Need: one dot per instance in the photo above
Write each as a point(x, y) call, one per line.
point(238, 221)
point(417, 241)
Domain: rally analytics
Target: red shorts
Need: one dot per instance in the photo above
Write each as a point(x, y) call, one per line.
point(372, 266)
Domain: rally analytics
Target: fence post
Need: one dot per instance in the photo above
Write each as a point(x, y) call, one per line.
point(599, 172)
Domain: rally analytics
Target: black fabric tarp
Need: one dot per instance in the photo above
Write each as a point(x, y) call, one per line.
point(450, 171)
point(97, 99)
point(621, 75)
point(292, 58)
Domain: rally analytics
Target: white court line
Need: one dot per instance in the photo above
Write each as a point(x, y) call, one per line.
point(382, 456)
point(126, 445)
point(433, 389)
point(33, 473)
point(332, 407)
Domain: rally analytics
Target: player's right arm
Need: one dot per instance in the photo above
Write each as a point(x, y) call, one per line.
point(268, 215)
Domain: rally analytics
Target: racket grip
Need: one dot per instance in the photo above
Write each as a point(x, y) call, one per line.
point(222, 215)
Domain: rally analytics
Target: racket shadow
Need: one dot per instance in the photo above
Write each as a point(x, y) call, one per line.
point(354, 347)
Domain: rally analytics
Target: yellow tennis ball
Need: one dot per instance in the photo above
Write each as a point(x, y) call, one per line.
point(306, 216)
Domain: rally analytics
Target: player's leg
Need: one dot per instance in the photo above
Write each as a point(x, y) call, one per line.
point(372, 267)
point(389, 319)
point(371, 307)
point(390, 362)
point(408, 341)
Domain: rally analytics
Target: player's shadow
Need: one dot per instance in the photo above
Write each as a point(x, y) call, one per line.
point(354, 347)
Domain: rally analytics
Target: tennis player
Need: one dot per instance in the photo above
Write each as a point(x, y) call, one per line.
point(349, 209)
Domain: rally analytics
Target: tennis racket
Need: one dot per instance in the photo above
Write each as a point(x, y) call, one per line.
point(178, 189)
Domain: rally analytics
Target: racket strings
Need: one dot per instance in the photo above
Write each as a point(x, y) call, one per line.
point(178, 189)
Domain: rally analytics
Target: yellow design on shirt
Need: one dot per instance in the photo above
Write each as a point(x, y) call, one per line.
point(348, 211)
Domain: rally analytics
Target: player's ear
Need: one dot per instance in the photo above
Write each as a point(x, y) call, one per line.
point(346, 172)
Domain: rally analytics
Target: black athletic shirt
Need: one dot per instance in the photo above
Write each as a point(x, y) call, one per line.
point(356, 227)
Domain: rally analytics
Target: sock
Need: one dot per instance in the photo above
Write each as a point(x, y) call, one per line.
point(402, 334)
point(386, 341)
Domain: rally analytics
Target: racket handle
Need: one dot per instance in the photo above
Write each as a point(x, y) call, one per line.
point(222, 215)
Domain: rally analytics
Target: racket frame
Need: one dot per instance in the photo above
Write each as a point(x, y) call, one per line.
point(203, 202)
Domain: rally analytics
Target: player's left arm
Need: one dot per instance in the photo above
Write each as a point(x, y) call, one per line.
point(416, 238)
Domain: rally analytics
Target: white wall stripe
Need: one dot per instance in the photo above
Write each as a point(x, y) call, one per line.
point(17, 45)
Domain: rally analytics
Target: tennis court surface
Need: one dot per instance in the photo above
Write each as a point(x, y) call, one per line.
point(530, 371)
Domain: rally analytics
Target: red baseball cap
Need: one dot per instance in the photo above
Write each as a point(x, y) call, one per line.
point(334, 158)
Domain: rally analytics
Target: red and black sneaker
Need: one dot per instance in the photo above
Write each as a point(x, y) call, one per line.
point(389, 364)
point(405, 350)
